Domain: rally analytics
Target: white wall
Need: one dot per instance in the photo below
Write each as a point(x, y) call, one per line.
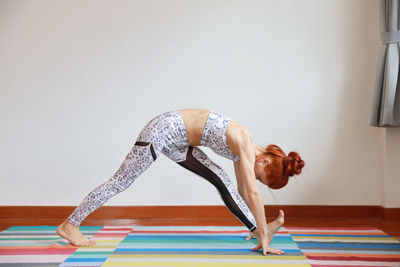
point(391, 177)
point(79, 80)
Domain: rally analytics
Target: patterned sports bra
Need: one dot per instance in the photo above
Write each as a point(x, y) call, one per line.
point(214, 136)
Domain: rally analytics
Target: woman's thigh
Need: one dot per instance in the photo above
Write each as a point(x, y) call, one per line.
point(147, 148)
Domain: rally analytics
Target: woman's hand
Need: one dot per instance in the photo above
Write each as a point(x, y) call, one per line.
point(263, 244)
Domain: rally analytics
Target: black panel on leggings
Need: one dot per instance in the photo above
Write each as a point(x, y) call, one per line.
point(153, 153)
point(192, 164)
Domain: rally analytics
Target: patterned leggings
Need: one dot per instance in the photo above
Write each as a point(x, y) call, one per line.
point(165, 134)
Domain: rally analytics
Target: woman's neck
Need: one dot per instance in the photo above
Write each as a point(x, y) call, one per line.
point(258, 150)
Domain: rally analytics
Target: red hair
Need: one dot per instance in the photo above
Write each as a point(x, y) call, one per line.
point(281, 167)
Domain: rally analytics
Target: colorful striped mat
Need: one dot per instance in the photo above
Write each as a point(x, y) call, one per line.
point(346, 246)
point(197, 246)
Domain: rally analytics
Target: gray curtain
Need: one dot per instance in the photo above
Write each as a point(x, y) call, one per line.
point(386, 101)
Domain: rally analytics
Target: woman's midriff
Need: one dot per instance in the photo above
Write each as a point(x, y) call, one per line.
point(195, 121)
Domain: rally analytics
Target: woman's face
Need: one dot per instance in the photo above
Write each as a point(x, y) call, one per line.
point(259, 169)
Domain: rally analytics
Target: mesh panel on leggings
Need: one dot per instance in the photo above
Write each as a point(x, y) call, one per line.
point(194, 165)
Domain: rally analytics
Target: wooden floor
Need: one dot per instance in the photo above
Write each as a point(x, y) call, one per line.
point(391, 227)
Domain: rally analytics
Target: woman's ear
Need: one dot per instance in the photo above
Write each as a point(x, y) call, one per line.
point(265, 161)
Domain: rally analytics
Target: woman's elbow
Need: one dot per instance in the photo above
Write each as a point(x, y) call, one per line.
point(253, 194)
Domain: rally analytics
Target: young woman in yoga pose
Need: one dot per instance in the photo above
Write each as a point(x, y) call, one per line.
point(177, 134)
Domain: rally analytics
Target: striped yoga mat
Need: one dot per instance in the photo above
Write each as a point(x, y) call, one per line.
point(346, 246)
point(197, 246)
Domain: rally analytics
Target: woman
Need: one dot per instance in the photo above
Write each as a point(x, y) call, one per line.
point(177, 134)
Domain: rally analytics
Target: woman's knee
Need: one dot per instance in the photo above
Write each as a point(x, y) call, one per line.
point(139, 158)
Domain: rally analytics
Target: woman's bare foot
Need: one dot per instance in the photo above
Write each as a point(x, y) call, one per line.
point(274, 226)
point(71, 232)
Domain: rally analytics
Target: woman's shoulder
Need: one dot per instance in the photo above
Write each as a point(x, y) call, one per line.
point(237, 137)
point(238, 131)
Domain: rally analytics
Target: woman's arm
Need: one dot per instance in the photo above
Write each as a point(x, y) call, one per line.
point(252, 194)
point(241, 187)
point(247, 187)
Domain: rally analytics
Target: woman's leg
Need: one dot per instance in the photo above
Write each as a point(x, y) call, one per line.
point(198, 162)
point(139, 158)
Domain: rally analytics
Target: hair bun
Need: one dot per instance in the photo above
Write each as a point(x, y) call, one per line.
point(292, 164)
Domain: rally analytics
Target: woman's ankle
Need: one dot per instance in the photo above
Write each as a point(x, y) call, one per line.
point(68, 224)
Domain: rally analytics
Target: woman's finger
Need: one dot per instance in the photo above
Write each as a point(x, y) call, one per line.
point(275, 251)
point(265, 248)
point(257, 247)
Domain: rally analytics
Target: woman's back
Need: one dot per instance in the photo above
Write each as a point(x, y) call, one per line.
point(194, 120)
